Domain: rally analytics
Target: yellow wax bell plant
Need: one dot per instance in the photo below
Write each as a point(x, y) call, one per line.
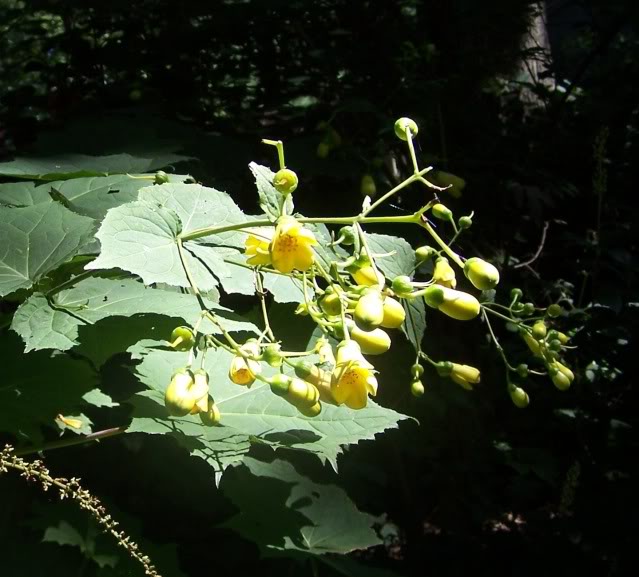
point(360, 290)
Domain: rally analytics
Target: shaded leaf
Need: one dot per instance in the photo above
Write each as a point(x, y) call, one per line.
point(270, 198)
point(35, 240)
point(401, 261)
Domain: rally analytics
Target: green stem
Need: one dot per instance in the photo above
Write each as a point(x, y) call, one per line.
point(496, 342)
point(280, 150)
point(68, 283)
point(97, 436)
point(411, 149)
point(202, 232)
point(390, 193)
point(452, 255)
point(260, 293)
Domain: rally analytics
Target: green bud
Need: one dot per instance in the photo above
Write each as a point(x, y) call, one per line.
point(417, 388)
point(554, 345)
point(161, 177)
point(441, 212)
point(465, 222)
point(402, 285)
point(554, 310)
point(434, 296)
point(444, 369)
point(280, 384)
point(285, 181)
point(402, 124)
point(273, 355)
point(529, 309)
point(522, 370)
point(182, 339)
point(347, 234)
point(416, 371)
point(367, 186)
point(519, 397)
point(516, 294)
point(423, 253)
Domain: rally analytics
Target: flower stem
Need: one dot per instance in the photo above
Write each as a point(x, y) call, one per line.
point(449, 252)
point(97, 436)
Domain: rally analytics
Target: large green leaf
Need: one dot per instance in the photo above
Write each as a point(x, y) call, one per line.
point(199, 207)
point(54, 323)
point(22, 194)
point(79, 165)
point(254, 413)
point(93, 196)
point(38, 386)
point(303, 515)
point(270, 198)
point(140, 237)
point(34, 240)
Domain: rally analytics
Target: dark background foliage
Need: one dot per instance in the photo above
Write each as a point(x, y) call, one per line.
point(479, 485)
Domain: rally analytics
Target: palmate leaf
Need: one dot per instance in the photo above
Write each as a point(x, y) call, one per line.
point(302, 515)
point(34, 240)
point(19, 194)
point(253, 414)
point(80, 165)
point(141, 237)
point(54, 324)
point(37, 387)
point(401, 260)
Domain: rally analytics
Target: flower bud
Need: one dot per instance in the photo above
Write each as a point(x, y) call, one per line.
point(302, 393)
point(482, 274)
point(423, 253)
point(177, 398)
point(533, 345)
point(417, 388)
point(368, 276)
point(465, 222)
point(211, 416)
point(200, 390)
point(182, 339)
point(465, 376)
point(434, 296)
point(519, 397)
point(516, 294)
point(443, 273)
point(244, 371)
point(459, 305)
point(539, 330)
point(441, 212)
point(285, 181)
point(347, 234)
point(402, 124)
point(301, 310)
point(444, 368)
point(529, 309)
point(563, 338)
point(369, 310)
point(323, 149)
point(367, 187)
point(279, 384)
point(554, 310)
point(375, 342)
point(330, 304)
point(416, 371)
point(273, 355)
point(522, 370)
point(161, 177)
point(394, 313)
point(402, 285)
point(313, 411)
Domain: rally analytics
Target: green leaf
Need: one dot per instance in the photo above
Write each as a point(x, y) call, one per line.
point(250, 413)
point(43, 324)
point(270, 198)
point(98, 399)
point(199, 207)
point(19, 194)
point(415, 324)
point(80, 165)
point(401, 261)
point(94, 196)
point(36, 387)
point(303, 515)
point(35, 240)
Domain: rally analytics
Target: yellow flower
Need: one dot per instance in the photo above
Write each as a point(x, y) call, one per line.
point(443, 274)
point(465, 376)
point(291, 246)
point(257, 247)
point(243, 371)
point(353, 378)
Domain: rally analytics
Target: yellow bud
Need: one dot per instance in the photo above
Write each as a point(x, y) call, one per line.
point(519, 397)
point(313, 411)
point(539, 330)
point(330, 304)
point(369, 310)
point(441, 212)
point(443, 273)
point(211, 416)
point(375, 342)
point(465, 375)
point(533, 345)
point(417, 388)
point(482, 274)
point(394, 313)
point(402, 125)
point(459, 305)
point(302, 393)
point(368, 276)
point(178, 399)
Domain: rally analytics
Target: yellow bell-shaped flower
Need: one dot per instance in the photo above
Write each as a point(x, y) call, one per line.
point(353, 377)
point(291, 246)
point(257, 248)
point(244, 371)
